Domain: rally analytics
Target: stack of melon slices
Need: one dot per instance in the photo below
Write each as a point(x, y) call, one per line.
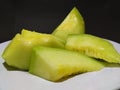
point(67, 51)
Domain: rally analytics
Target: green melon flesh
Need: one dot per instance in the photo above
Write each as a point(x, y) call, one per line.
point(18, 52)
point(93, 46)
point(72, 24)
point(54, 63)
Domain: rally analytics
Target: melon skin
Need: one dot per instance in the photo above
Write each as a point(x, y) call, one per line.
point(53, 64)
point(18, 51)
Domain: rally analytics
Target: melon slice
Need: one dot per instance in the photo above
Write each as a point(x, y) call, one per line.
point(54, 63)
point(72, 24)
point(93, 46)
point(18, 52)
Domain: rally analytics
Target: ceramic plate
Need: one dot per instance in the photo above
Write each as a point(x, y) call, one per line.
point(105, 79)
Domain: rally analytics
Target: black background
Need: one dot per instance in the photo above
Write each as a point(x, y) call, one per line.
point(102, 17)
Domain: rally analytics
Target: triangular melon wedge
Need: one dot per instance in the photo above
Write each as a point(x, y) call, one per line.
point(18, 52)
point(93, 46)
point(54, 63)
point(72, 24)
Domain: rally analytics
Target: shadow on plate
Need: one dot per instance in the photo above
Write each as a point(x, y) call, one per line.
point(111, 65)
point(10, 68)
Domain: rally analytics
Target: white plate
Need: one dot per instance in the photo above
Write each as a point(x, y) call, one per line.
point(106, 79)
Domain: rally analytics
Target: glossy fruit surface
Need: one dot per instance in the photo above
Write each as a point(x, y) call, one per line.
point(55, 63)
point(93, 46)
point(72, 24)
point(18, 52)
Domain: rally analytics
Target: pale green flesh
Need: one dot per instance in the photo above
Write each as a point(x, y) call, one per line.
point(93, 46)
point(72, 24)
point(18, 52)
point(53, 63)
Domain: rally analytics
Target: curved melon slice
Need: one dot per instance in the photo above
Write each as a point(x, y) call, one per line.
point(72, 24)
point(18, 52)
point(54, 63)
point(93, 46)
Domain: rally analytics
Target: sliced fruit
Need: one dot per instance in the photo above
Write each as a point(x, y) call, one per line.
point(18, 52)
point(54, 63)
point(43, 37)
point(93, 46)
point(72, 24)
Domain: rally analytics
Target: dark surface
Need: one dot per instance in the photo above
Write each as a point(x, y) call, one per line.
point(102, 17)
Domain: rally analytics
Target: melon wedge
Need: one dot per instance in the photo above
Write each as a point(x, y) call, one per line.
point(18, 52)
point(54, 63)
point(72, 24)
point(93, 46)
